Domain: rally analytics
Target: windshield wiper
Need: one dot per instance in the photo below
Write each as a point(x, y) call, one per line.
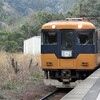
point(86, 42)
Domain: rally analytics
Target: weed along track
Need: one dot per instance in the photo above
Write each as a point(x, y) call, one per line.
point(19, 74)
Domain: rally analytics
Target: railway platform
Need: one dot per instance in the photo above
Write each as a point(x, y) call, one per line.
point(89, 89)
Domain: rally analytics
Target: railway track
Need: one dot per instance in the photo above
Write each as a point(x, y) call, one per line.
point(56, 94)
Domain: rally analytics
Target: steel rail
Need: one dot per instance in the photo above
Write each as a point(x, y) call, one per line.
point(48, 95)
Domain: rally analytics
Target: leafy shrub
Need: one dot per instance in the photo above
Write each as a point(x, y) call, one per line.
point(1, 96)
point(36, 77)
point(9, 85)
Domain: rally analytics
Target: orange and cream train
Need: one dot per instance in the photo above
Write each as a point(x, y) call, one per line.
point(70, 51)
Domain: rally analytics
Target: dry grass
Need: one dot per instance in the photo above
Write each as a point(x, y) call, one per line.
point(28, 68)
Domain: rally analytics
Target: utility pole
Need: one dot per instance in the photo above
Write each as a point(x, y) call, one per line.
point(81, 10)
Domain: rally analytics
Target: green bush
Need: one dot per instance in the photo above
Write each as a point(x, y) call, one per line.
point(1, 96)
point(36, 77)
point(9, 86)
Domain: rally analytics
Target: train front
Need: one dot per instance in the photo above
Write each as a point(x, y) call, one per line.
point(68, 51)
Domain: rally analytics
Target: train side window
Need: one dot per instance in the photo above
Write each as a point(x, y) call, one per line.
point(41, 38)
point(98, 35)
point(49, 38)
point(99, 45)
point(85, 37)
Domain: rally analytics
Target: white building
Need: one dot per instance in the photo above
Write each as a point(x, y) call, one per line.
point(32, 45)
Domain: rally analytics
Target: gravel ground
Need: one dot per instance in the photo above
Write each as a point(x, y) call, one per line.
point(36, 92)
point(27, 92)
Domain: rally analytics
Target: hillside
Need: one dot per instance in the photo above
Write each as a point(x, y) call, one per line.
point(89, 8)
point(12, 11)
point(25, 7)
point(23, 19)
point(8, 15)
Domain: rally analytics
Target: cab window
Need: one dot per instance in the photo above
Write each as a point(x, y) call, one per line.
point(49, 37)
point(85, 37)
point(66, 38)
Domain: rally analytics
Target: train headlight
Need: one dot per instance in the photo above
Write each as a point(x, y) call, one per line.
point(80, 26)
point(66, 53)
point(53, 26)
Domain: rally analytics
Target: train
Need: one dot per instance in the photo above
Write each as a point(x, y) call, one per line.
point(70, 51)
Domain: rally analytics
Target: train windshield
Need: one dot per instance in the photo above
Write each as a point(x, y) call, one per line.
point(85, 37)
point(66, 38)
point(49, 37)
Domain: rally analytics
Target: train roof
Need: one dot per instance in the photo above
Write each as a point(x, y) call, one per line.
point(63, 24)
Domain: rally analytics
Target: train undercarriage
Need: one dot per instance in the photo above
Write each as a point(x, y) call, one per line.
point(65, 77)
